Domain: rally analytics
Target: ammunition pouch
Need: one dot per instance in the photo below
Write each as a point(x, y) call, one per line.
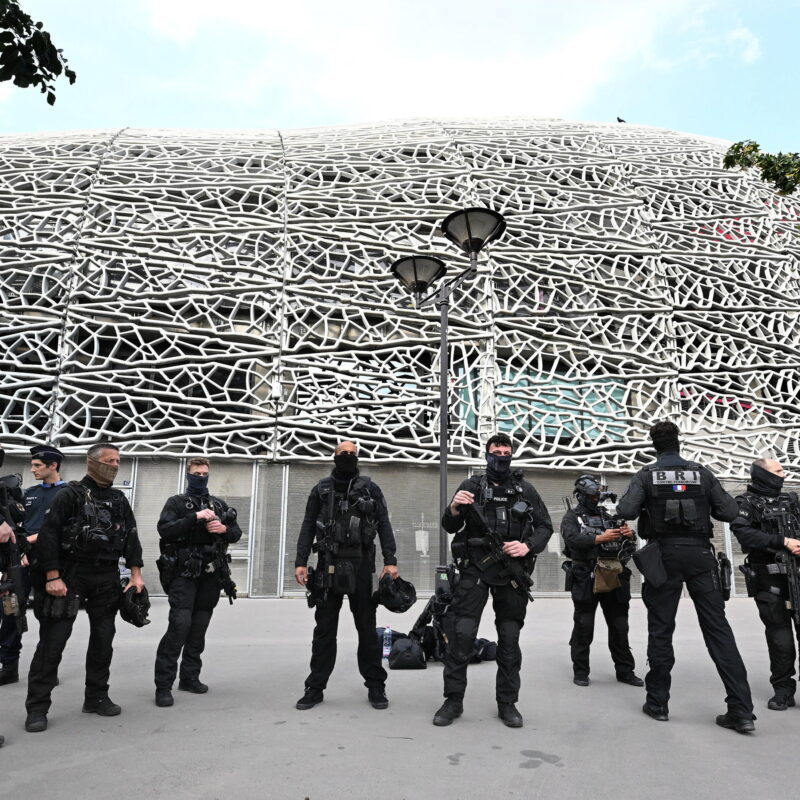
point(606, 575)
point(343, 578)
point(58, 608)
point(460, 550)
point(191, 563)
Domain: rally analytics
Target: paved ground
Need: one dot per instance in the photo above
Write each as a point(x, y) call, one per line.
point(244, 739)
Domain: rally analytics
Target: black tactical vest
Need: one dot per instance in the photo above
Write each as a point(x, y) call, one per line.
point(496, 503)
point(769, 510)
point(352, 513)
point(97, 532)
point(677, 503)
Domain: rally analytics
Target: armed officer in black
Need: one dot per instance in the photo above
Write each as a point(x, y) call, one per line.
point(343, 514)
point(597, 543)
point(87, 529)
point(676, 499)
point(767, 518)
point(513, 510)
point(195, 529)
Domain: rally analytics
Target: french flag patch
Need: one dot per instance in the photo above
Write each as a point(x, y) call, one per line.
point(678, 487)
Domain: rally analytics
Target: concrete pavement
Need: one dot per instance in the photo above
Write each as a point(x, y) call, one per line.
point(244, 739)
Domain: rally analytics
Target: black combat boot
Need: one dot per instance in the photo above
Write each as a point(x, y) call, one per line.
point(105, 707)
point(659, 713)
point(451, 709)
point(9, 674)
point(36, 722)
point(630, 678)
point(736, 722)
point(164, 698)
point(377, 698)
point(780, 702)
point(195, 686)
point(509, 714)
point(311, 698)
point(580, 680)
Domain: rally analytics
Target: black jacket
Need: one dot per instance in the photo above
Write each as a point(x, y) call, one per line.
point(722, 506)
point(539, 534)
point(315, 511)
point(760, 544)
point(178, 523)
point(581, 541)
point(65, 509)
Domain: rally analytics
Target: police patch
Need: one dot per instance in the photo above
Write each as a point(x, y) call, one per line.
point(675, 478)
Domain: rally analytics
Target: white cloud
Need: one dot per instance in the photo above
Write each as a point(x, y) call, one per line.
point(748, 42)
point(386, 58)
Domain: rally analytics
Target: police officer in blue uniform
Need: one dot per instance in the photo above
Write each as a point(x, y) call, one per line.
point(675, 500)
point(45, 465)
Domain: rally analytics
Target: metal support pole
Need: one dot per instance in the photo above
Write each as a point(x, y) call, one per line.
point(444, 369)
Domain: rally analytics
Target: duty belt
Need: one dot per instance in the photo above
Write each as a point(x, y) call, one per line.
point(772, 569)
point(692, 541)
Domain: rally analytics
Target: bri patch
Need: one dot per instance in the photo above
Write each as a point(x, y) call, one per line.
point(676, 478)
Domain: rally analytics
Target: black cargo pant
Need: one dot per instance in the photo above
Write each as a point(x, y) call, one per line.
point(98, 586)
point(461, 627)
point(323, 646)
point(615, 606)
point(191, 603)
point(780, 631)
point(692, 562)
point(10, 637)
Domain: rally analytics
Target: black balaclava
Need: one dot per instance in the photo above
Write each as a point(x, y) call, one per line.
point(345, 469)
point(197, 485)
point(762, 481)
point(498, 467)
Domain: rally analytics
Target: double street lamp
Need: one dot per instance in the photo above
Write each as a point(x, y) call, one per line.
point(470, 230)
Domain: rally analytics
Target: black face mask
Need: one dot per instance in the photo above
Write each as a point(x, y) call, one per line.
point(197, 484)
point(346, 465)
point(497, 467)
point(765, 482)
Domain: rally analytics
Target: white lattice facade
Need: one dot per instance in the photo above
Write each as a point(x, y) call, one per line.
point(228, 293)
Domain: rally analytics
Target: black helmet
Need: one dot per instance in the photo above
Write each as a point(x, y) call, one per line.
point(587, 485)
point(396, 595)
point(134, 607)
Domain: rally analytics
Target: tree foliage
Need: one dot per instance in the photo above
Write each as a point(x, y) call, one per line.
point(781, 170)
point(28, 57)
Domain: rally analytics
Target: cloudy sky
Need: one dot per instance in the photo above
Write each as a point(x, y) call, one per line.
point(722, 68)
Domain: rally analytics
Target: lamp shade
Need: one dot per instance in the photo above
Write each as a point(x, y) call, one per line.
point(417, 273)
point(472, 228)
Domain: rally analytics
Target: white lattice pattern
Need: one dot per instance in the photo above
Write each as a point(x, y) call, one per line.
point(228, 292)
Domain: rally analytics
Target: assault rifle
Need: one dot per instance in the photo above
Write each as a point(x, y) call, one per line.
point(789, 528)
point(493, 542)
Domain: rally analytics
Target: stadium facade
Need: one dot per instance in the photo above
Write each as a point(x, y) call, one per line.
point(228, 293)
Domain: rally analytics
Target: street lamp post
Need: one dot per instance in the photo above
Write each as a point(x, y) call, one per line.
point(469, 229)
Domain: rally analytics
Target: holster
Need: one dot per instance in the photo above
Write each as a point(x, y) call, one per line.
point(167, 568)
point(311, 597)
point(750, 579)
point(650, 563)
point(568, 576)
